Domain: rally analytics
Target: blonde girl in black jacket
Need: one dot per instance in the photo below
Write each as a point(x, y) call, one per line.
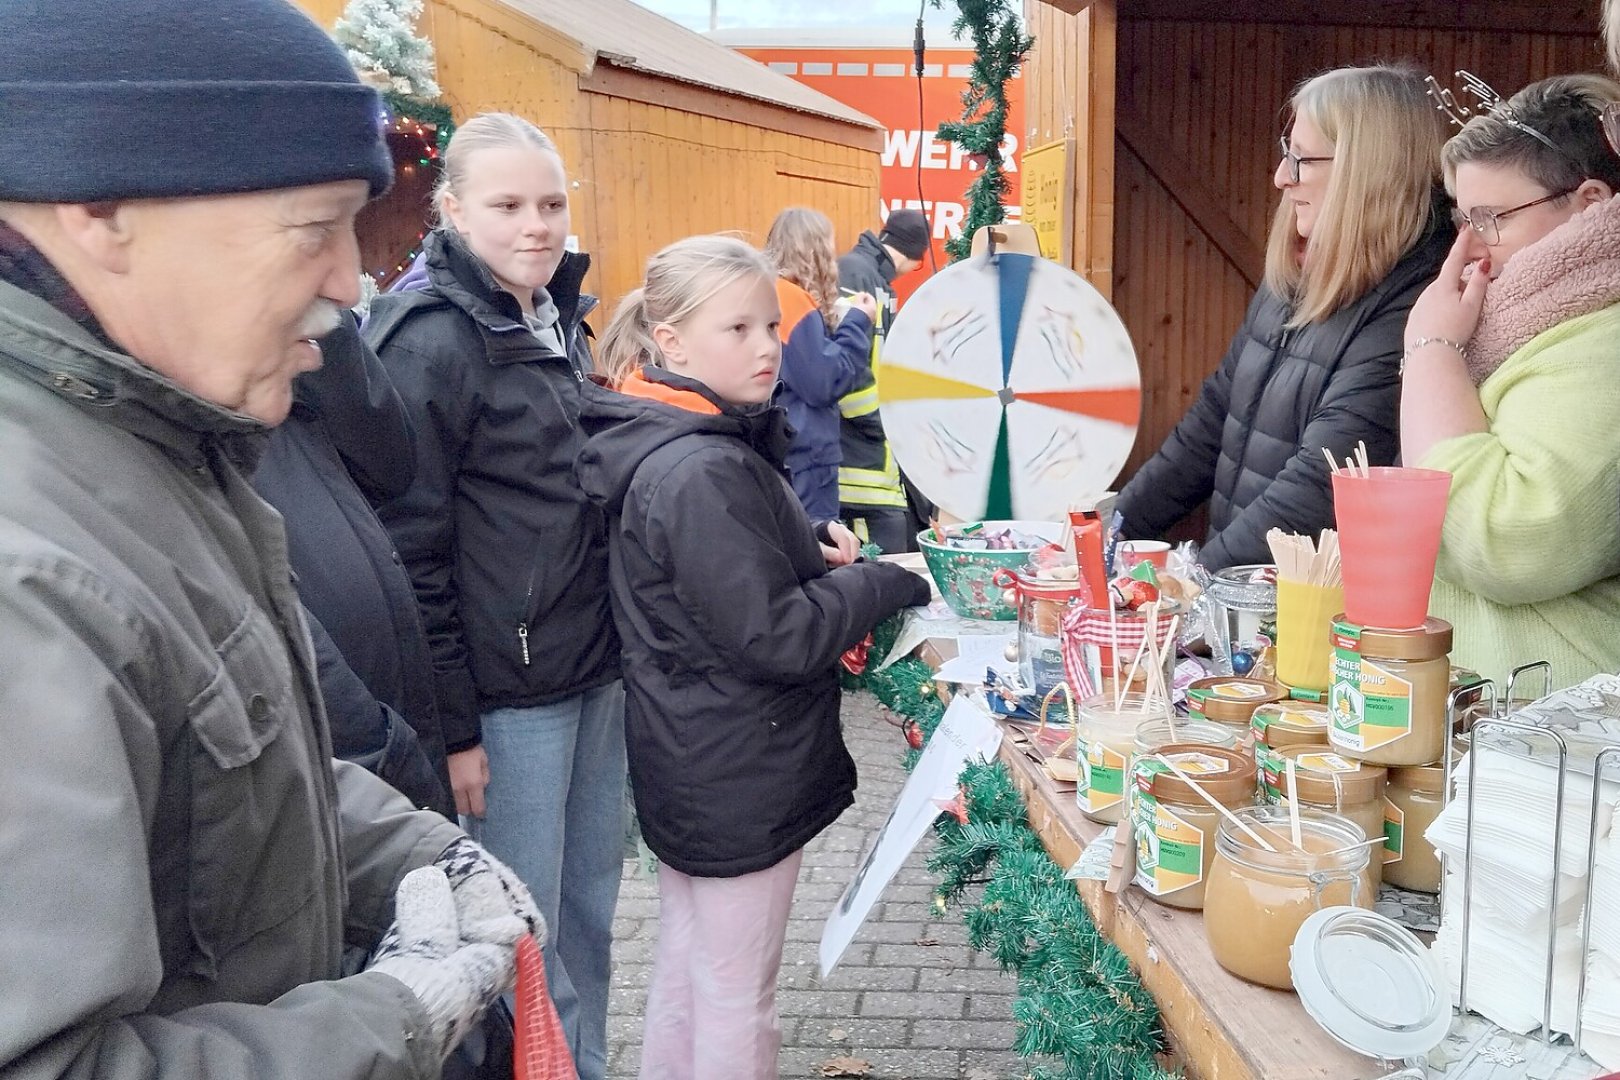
point(733, 609)
point(505, 552)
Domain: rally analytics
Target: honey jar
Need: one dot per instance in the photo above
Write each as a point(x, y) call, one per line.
point(1107, 738)
point(1327, 781)
point(1256, 900)
point(1388, 701)
point(1416, 796)
point(1281, 726)
point(1174, 827)
point(1228, 699)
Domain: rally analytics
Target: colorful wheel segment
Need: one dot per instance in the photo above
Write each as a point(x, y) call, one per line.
point(1009, 389)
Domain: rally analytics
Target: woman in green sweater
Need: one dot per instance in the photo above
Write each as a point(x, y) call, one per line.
point(1511, 384)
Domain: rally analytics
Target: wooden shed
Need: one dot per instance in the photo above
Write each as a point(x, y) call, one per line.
point(1175, 107)
point(665, 133)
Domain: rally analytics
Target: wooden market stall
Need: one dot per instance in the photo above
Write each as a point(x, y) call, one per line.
point(665, 132)
point(1174, 108)
point(1170, 110)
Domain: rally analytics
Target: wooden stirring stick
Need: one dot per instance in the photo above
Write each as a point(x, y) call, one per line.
point(1207, 797)
point(1293, 807)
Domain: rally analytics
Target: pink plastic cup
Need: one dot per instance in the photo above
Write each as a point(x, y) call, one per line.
point(1389, 538)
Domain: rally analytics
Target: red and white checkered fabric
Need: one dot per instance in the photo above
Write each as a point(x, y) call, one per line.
point(1074, 659)
point(1092, 626)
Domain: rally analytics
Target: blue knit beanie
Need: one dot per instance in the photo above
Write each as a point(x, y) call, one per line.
point(121, 99)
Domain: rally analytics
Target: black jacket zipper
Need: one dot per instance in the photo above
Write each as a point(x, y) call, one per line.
point(523, 619)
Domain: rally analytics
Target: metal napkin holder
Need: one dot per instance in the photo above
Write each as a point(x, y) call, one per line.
point(1463, 719)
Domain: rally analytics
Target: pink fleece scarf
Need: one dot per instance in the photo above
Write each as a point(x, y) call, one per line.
point(1572, 271)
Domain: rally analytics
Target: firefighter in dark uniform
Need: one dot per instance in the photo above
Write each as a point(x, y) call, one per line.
point(872, 494)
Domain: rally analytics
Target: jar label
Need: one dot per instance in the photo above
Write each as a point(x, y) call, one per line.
point(1169, 850)
point(1394, 832)
point(1195, 703)
point(1195, 764)
point(1324, 763)
point(1102, 778)
point(1046, 669)
point(1241, 691)
point(1271, 766)
point(1370, 706)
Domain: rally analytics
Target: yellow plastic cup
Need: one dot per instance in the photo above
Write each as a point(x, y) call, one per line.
point(1304, 633)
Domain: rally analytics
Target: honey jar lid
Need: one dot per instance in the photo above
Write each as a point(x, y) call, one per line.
point(1370, 983)
point(1163, 731)
point(1232, 699)
point(1328, 779)
point(1224, 774)
point(1431, 641)
point(1293, 717)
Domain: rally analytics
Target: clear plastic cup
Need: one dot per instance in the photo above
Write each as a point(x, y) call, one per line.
point(1389, 538)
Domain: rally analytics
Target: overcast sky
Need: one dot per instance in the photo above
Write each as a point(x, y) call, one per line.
point(777, 14)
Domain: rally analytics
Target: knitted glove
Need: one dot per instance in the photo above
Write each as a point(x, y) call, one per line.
point(492, 905)
point(455, 982)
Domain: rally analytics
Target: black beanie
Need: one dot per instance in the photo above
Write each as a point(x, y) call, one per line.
point(907, 232)
point(119, 99)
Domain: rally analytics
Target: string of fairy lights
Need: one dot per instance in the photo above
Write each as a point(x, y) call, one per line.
point(428, 137)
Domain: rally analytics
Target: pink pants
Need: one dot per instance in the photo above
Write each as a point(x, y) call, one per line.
point(711, 1008)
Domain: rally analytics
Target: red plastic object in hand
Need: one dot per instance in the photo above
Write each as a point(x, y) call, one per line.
point(539, 1047)
point(855, 657)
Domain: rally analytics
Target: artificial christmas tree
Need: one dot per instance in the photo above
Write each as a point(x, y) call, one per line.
point(380, 38)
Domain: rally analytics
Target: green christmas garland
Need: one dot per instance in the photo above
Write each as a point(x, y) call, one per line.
point(1079, 1003)
point(999, 47)
point(435, 114)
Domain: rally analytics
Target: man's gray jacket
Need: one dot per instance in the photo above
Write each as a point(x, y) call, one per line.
point(181, 864)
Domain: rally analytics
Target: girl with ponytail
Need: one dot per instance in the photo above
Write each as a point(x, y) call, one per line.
point(734, 608)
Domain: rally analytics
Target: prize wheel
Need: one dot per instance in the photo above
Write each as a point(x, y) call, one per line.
point(1009, 389)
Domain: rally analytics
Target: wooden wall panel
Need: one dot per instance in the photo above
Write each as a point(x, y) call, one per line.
point(1208, 98)
point(660, 174)
point(645, 173)
point(1069, 92)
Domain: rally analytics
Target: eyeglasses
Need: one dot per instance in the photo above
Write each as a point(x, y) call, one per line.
point(1294, 160)
point(1488, 223)
point(1610, 118)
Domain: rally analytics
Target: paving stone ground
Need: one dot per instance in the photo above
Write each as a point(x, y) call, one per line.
point(909, 997)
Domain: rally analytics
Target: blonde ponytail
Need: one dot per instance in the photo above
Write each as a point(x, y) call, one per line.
point(627, 344)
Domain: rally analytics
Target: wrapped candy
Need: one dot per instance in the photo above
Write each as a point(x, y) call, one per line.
point(1137, 589)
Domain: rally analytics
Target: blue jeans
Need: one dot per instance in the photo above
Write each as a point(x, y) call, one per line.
point(554, 812)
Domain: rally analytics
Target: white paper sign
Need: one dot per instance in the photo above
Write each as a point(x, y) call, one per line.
point(975, 653)
point(966, 733)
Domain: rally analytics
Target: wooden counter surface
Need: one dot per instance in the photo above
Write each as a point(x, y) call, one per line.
point(1221, 1027)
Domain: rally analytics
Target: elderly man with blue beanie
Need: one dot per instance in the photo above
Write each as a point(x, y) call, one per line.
point(190, 886)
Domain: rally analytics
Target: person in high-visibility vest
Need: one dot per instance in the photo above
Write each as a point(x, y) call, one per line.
point(871, 493)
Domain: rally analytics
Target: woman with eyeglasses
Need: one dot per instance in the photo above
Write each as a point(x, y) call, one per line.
point(1512, 385)
point(1360, 230)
